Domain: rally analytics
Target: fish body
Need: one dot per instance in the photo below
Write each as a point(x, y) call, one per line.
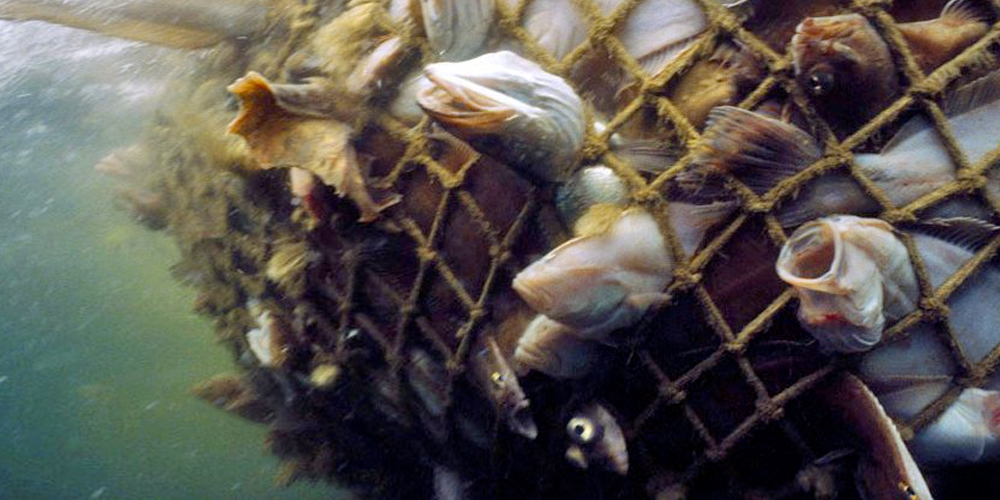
point(596, 440)
point(852, 275)
point(491, 372)
point(510, 108)
point(597, 283)
point(847, 67)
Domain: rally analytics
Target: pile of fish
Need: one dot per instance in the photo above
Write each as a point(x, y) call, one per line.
point(634, 143)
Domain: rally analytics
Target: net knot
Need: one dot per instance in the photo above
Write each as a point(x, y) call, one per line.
point(898, 216)
point(426, 254)
point(934, 310)
point(770, 411)
point(672, 395)
point(685, 279)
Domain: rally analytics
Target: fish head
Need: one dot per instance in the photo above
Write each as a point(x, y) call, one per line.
point(841, 59)
point(573, 292)
point(481, 95)
point(838, 284)
point(595, 438)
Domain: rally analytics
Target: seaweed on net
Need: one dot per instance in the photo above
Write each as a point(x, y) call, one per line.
point(434, 273)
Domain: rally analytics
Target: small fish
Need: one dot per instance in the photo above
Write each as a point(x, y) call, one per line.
point(553, 349)
point(278, 138)
point(510, 108)
point(846, 67)
point(430, 381)
point(598, 283)
point(852, 275)
point(457, 29)
point(596, 439)
point(491, 372)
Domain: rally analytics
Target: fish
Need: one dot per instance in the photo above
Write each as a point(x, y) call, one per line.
point(491, 373)
point(936, 41)
point(846, 68)
point(761, 151)
point(596, 439)
point(654, 33)
point(511, 109)
point(278, 138)
point(181, 24)
point(457, 29)
point(430, 382)
point(288, 263)
point(598, 283)
point(843, 59)
point(852, 275)
point(553, 349)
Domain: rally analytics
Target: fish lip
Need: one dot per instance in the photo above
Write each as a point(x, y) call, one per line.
point(522, 421)
point(826, 281)
point(476, 99)
point(536, 297)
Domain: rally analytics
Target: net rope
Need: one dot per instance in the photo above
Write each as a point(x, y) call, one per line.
point(920, 94)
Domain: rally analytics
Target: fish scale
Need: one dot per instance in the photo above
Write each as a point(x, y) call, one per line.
point(410, 242)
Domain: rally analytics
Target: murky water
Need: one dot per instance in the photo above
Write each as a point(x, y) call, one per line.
point(98, 347)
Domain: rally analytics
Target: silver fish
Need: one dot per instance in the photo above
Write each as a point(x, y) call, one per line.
point(457, 29)
point(494, 376)
point(509, 108)
point(596, 439)
point(597, 283)
point(852, 275)
point(553, 349)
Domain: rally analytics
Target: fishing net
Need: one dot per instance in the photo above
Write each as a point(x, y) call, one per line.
point(697, 387)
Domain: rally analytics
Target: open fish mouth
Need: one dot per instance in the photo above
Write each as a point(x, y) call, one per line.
point(812, 257)
point(461, 101)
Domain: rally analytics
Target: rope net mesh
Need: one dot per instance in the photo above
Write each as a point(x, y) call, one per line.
point(440, 278)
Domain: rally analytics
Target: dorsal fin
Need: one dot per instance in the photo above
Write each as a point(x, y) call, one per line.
point(758, 150)
point(980, 92)
point(966, 232)
point(912, 127)
point(963, 11)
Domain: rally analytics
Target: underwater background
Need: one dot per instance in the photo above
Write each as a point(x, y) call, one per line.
point(98, 345)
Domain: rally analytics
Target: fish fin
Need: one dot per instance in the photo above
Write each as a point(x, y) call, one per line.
point(966, 232)
point(758, 150)
point(909, 129)
point(978, 93)
point(646, 155)
point(657, 61)
point(963, 11)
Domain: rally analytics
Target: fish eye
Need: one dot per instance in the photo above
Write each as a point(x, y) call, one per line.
point(821, 82)
point(582, 430)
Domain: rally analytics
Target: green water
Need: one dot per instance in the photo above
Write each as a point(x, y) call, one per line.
point(98, 347)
